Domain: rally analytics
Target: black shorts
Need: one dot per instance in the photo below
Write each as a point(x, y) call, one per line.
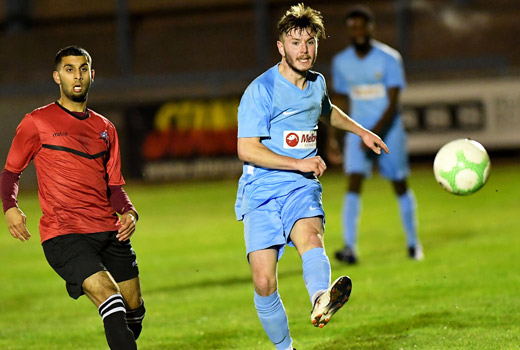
point(77, 256)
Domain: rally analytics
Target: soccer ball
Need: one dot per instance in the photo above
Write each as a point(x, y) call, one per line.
point(462, 166)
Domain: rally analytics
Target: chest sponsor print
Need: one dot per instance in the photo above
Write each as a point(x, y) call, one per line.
point(300, 139)
point(368, 91)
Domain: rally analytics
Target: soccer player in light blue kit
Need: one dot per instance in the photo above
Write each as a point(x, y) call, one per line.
point(279, 195)
point(371, 75)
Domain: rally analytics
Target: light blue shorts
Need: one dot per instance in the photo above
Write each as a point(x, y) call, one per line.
point(393, 166)
point(270, 225)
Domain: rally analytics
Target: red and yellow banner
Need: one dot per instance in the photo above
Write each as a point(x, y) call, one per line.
point(193, 128)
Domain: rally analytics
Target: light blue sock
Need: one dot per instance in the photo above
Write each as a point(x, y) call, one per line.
point(316, 271)
point(351, 213)
point(408, 209)
point(272, 315)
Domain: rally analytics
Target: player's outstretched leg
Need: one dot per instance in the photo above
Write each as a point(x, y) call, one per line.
point(331, 301)
point(316, 272)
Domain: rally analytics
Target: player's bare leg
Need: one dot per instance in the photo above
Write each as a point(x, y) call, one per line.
point(268, 303)
point(131, 291)
point(104, 292)
point(307, 236)
point(99, 286)
point(263, 265)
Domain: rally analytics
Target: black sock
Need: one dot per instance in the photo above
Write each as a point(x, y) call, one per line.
point(134, 319)
point(119, 336)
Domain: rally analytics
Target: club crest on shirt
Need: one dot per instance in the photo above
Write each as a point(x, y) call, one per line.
point(104, 136)
point(300, 139)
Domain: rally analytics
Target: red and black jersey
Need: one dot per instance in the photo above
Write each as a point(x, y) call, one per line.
point(76, 159)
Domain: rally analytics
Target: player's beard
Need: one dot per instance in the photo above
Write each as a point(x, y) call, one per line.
point(292, 65)
point(77, 97)
point(362, 46)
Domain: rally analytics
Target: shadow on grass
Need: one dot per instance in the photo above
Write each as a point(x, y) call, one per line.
point(384, 335)
point(215, 340)
point(216, 283)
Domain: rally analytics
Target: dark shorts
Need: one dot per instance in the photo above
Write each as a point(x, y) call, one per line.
point(77, 256)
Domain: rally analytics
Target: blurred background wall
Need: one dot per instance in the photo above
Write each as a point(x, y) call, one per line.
point(170, 73)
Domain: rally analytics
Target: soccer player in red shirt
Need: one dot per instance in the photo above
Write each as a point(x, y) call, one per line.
point(76, 155)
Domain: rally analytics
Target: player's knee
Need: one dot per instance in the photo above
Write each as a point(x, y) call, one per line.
point(264, 285)
point(315, 240)
point(99, 286)
point(354, 183)
point(308, 238)
point(400, 187)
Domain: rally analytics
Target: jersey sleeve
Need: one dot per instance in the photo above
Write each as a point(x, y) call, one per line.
point(9, 189)
point(26, 143)
point(339, 81)
point(254, 112)
point(394, 76)
point(326, 105)
point(120, 201)
point(113, 167)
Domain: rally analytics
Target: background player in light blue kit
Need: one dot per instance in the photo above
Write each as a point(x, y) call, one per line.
point(370, 74)
point(279, 196)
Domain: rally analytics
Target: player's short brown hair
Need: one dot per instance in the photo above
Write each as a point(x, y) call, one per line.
point(71, 51)
point(300, 17)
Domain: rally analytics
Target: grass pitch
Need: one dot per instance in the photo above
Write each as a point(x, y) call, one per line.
point(198, 290)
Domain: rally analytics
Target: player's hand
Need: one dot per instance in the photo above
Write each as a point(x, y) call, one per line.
point(334, 154)
point(314, 165)
point(128, 221)
point(374, 142)
point(16, 221)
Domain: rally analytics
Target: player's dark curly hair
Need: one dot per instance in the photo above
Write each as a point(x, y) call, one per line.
point(71, 51)
point(360, 11)
point(300, 17)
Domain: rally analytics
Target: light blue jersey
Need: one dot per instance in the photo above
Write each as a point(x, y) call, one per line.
point(367, 79)
point(286, 120)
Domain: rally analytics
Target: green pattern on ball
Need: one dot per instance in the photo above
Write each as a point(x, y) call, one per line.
point(463, 163)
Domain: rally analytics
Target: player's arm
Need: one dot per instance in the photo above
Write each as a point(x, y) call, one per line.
point(382, 126)
point(116, 194)
point(251, 150)
point(122, 205)
point(333, 149)
point(341, 120)
point(25, 144)
point(14, 217)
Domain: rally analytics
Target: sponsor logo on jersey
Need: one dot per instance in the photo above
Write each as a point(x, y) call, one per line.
point(368, 91)
point(300, 139)
point(61, 133)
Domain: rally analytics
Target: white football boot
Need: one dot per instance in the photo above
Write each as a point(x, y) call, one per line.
point(331, 301)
